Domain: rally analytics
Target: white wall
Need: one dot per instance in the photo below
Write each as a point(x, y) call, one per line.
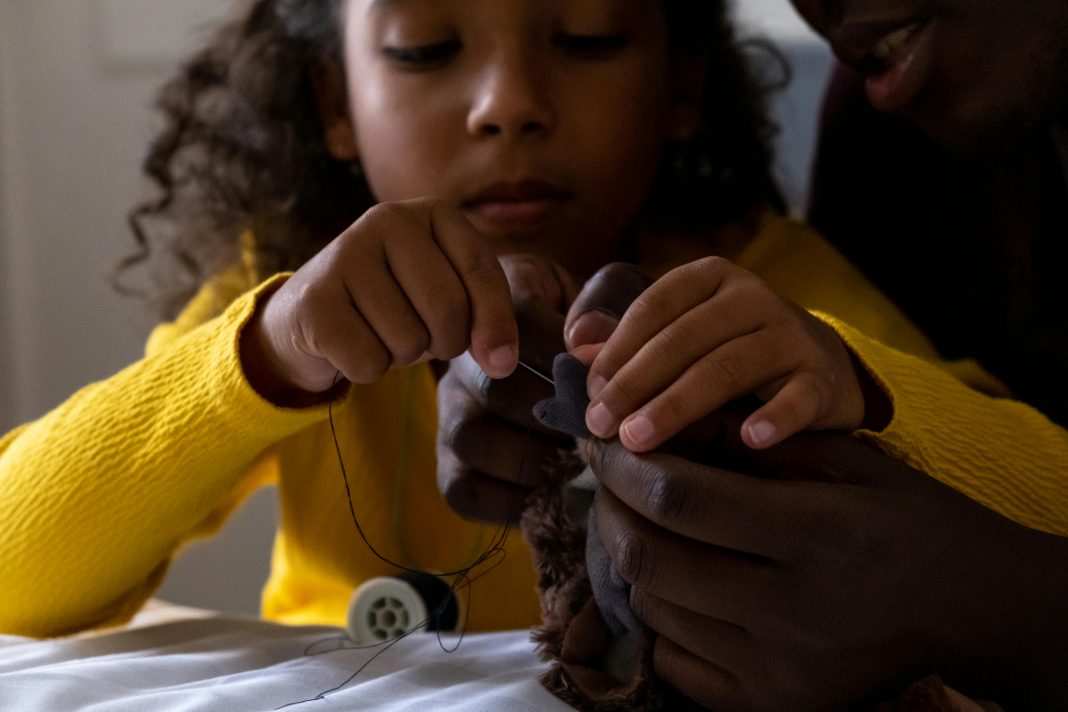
point(7, 396)
point(77, 80)
point(796, 109)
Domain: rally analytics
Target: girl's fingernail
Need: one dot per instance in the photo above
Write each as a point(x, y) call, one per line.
point(502, 360)
point(761, 432)
point(597, 384)
point(599, 420)
point(639, 429)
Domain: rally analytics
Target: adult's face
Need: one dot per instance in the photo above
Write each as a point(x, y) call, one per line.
point(968, 71)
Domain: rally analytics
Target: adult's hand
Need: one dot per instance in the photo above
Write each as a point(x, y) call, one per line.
point(599, 307)
point(828, 575)
point(491, 451)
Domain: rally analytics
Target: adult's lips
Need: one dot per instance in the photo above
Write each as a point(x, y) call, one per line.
point(893, 53)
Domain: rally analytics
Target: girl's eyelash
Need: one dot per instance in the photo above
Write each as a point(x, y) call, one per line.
point(429, 55)
point(591, 45)
point(422, 55)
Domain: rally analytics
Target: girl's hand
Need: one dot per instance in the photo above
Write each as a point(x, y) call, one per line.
point(407, 282)
point(705, 334)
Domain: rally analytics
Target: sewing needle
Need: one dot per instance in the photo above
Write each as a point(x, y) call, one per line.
point(537, 373)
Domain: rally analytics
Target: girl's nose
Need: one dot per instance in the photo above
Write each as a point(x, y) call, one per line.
point(511, 101)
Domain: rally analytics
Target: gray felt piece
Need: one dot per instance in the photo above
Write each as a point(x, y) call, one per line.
point(566, 412)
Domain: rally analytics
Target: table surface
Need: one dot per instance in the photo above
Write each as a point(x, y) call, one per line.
point(176, 658)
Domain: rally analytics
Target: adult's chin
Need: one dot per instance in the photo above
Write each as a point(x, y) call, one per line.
point(989, 120)
point(976, 131)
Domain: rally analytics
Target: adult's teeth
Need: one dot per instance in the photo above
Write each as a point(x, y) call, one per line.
point(889, 44)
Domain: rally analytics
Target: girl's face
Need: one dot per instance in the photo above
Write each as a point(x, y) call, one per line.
point(544, 121)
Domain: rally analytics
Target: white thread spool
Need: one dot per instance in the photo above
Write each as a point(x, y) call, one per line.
point(387, 607)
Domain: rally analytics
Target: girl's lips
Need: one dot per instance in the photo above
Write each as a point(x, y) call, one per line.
point(522, 204)
point(512, 213)
point(904, 59)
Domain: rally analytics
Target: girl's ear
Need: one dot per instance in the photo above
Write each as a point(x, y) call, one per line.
point(687, 94)
point(332, 99)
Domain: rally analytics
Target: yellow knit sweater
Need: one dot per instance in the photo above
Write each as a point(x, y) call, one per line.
point(98, 495)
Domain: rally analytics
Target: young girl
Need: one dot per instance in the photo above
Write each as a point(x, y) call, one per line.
point(479, 129)
point(577, 131)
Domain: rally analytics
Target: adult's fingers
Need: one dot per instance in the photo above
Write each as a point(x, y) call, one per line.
point(486, 464)
point(709, 660)
point(716, 440)
point(511, 399)
point(709, 638)
point(721, 583)
point(706, 683)
point(766, 517)
point(491, 445)
point(602, 302)
point(494, 335)
point(477, 496)
point(536, 277)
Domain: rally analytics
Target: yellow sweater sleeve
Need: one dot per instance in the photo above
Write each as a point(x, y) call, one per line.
point(950, 419)
point(1000, 452)
point(96, 495)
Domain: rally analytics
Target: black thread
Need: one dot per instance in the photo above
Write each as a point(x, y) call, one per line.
point(461, 578)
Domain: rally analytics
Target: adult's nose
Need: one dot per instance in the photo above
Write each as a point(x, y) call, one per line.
point(512, 100)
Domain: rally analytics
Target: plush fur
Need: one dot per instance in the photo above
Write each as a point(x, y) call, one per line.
point(573, 635)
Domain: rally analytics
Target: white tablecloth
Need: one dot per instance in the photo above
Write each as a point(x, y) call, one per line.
point(173, 658)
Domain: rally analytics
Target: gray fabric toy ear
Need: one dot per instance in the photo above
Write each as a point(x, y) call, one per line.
point(566, 412)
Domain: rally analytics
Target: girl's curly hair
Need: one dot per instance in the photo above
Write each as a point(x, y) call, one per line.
point(242, 148)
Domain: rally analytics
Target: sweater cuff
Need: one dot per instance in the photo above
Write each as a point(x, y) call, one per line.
point(1001, 453)
point(234, 383)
